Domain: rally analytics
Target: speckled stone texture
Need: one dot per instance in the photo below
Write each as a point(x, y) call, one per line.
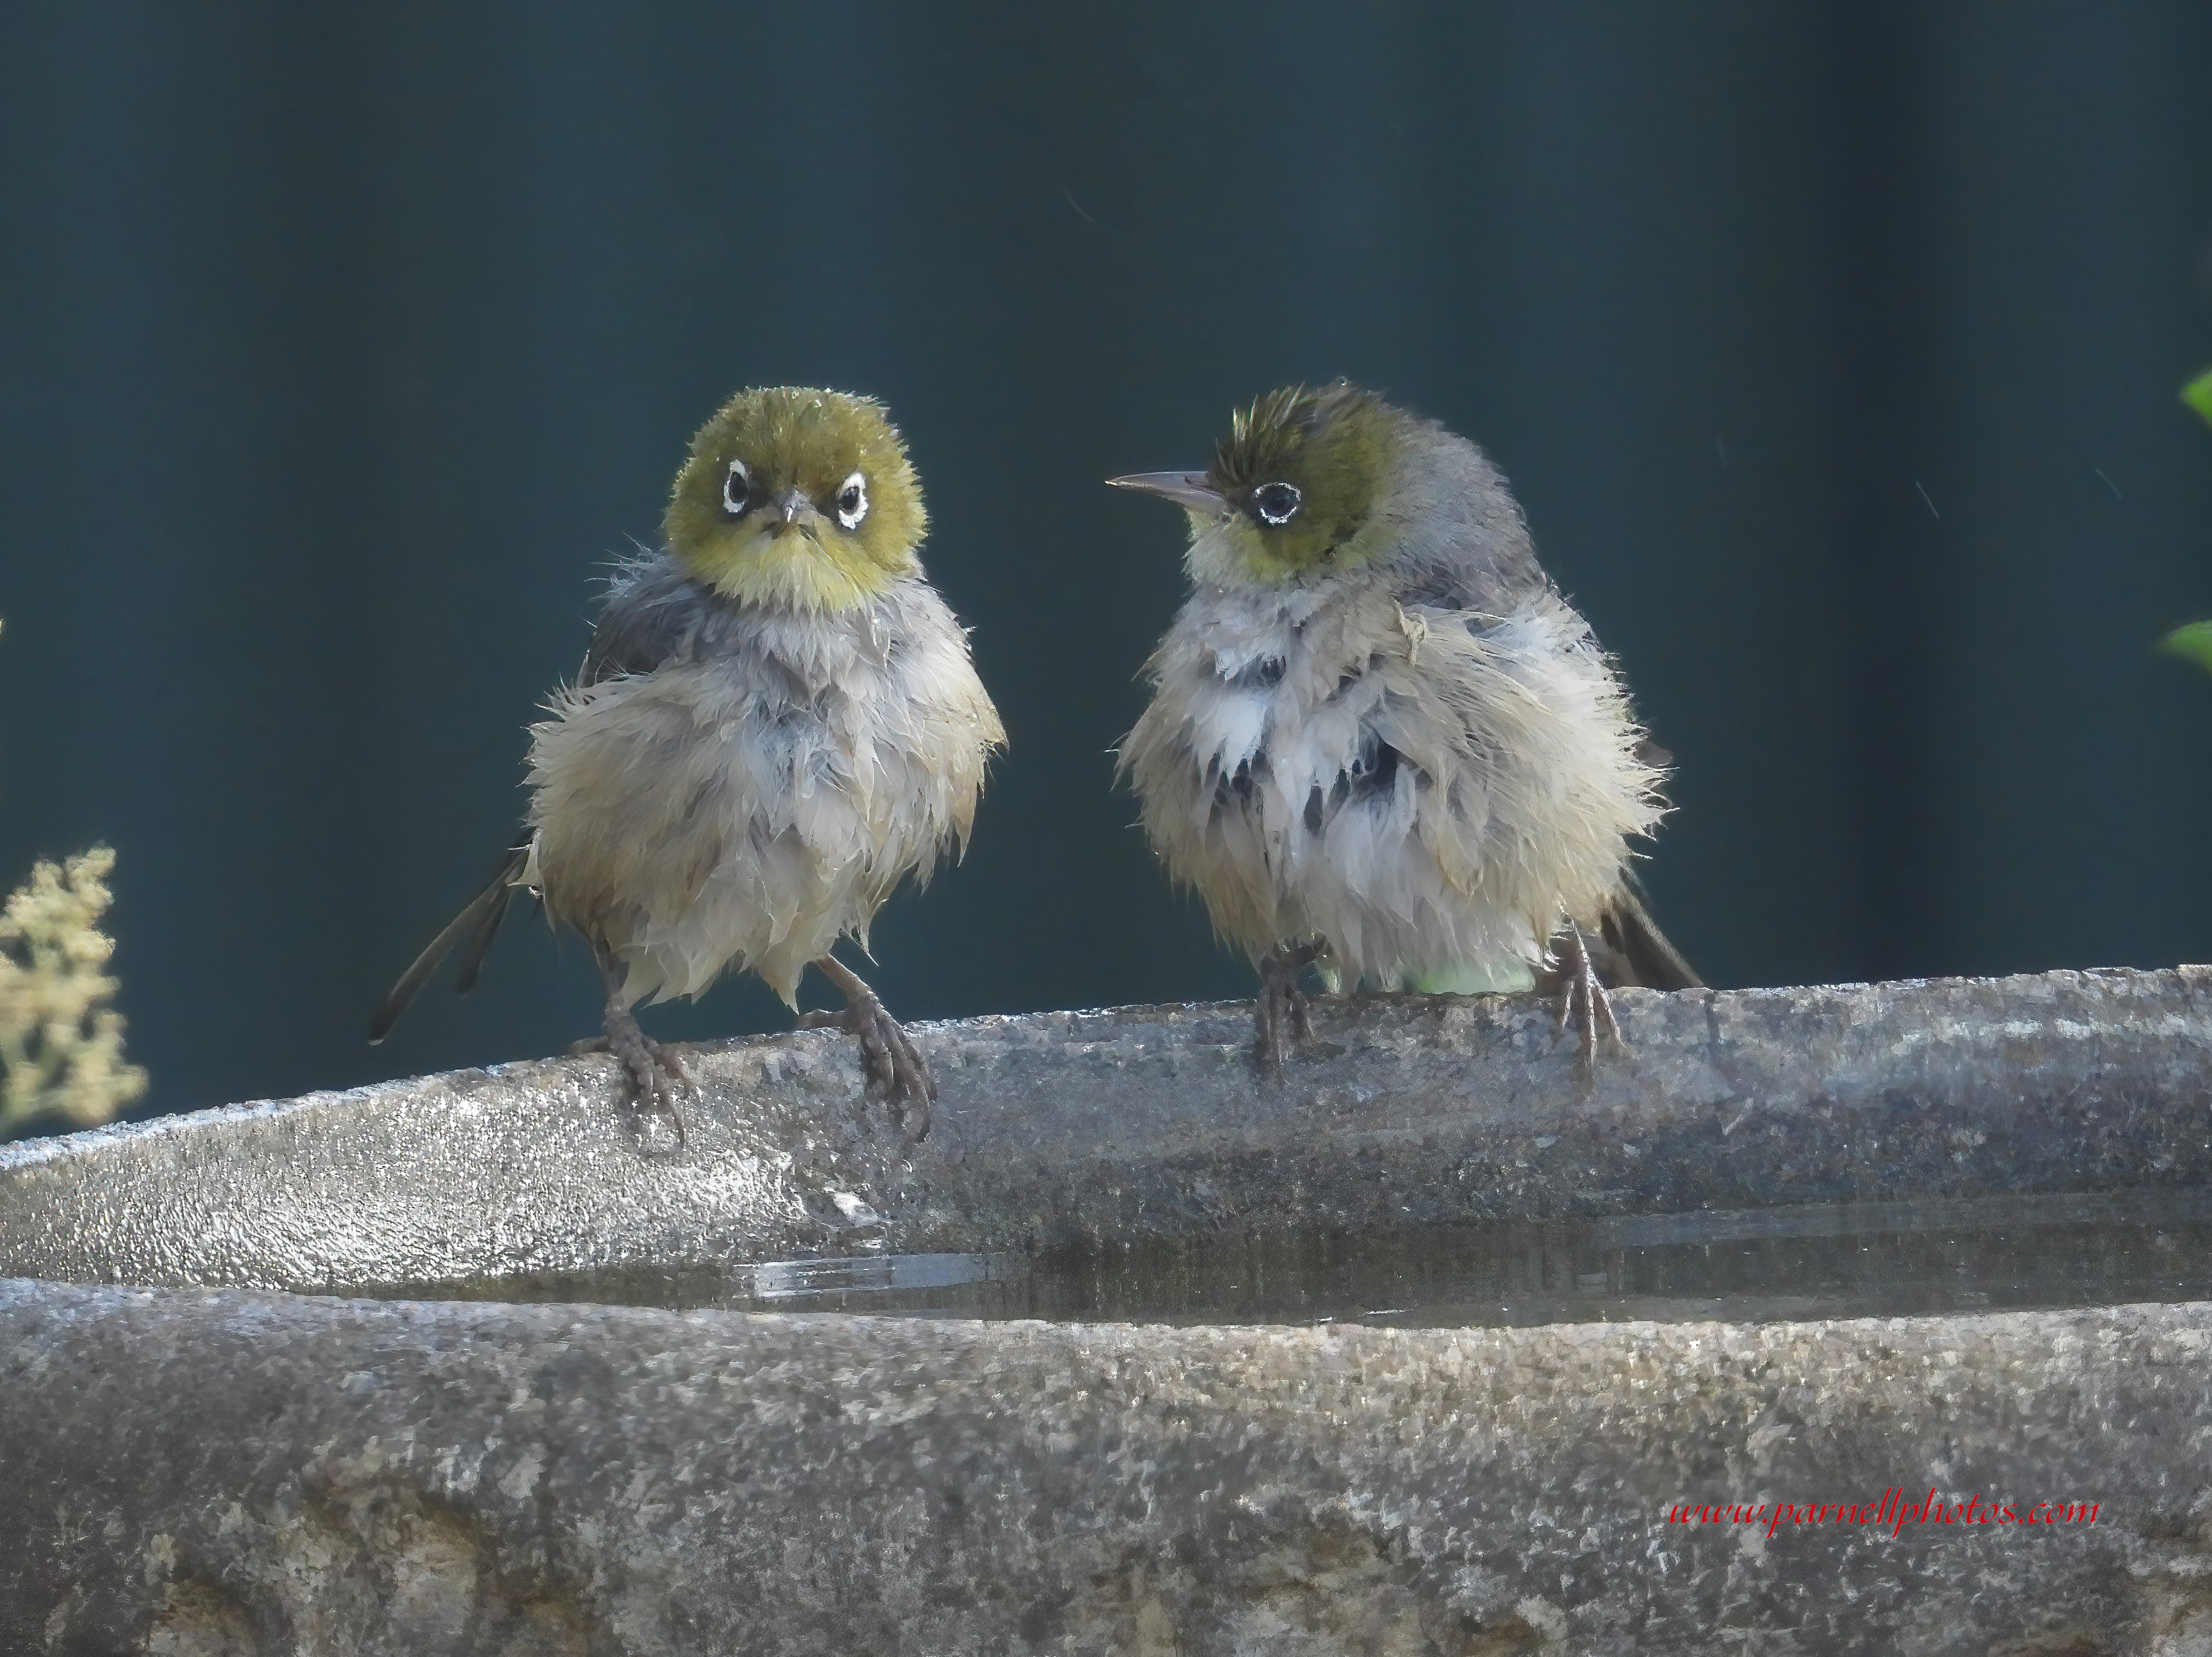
point(367, 1477)
point(215, 1473)
point(1149, 1121)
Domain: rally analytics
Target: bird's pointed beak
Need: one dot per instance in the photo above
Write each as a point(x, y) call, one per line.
point(791, 510)
point(1187, 490)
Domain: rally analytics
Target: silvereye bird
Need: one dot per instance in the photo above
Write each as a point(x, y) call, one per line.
point(1380, 740)
point(777, 720)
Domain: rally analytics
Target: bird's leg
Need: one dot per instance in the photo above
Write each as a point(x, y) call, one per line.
point(898, 1073)
point(654, 1074)
point(1283, 1002)
point(1582, 1000)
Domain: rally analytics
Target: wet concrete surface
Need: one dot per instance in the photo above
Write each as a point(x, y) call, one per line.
point(221, 1472)
point(1148, 1122)
point(201, 1462)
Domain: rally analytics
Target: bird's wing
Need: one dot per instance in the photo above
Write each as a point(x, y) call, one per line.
point(653, 611)
point(1527, 738)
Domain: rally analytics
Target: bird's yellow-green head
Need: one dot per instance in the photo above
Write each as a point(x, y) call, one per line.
point(1290, 488)
point(799, 500)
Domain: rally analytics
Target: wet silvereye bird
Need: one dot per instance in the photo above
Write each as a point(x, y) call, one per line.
point(777, 720)
point(1380, 740)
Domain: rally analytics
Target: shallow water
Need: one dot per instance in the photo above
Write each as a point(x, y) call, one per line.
point(1845, 1260)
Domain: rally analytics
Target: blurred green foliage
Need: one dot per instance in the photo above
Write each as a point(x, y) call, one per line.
point(2198, 394)
point(2192, 642)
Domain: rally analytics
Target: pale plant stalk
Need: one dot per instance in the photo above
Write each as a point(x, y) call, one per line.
point(61, 1048)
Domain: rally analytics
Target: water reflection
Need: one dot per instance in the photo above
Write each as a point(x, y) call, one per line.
point(1842, 1260)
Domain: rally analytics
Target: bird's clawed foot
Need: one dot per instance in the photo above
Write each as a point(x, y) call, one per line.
point(655, 1076)
point(898, 1073)
point(1280, 1015)
point(1583, 1004)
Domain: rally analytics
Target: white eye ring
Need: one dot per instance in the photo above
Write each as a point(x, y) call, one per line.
point(853, 500)
point(1274, 492)
point(737, 488)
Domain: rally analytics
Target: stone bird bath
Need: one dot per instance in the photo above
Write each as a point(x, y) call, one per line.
point(477, 1363)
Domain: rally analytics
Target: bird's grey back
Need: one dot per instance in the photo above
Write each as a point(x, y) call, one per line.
point(1455, 538)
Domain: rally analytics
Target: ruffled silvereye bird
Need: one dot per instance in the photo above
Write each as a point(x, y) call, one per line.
point(777, 720)
point(1380, 742)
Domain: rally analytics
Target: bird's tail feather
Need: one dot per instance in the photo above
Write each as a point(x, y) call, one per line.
point(1635, 952)
point(478, 923)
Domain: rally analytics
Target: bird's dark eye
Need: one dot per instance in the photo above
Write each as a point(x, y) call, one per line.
point(853, 500)
point(736, 487)
point(1275, 503)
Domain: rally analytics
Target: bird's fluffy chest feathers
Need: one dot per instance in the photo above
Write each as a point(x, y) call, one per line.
point(759, 791)
point(1429, 789)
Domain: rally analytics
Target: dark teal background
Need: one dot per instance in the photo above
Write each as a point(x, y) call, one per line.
point(1832, 347)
